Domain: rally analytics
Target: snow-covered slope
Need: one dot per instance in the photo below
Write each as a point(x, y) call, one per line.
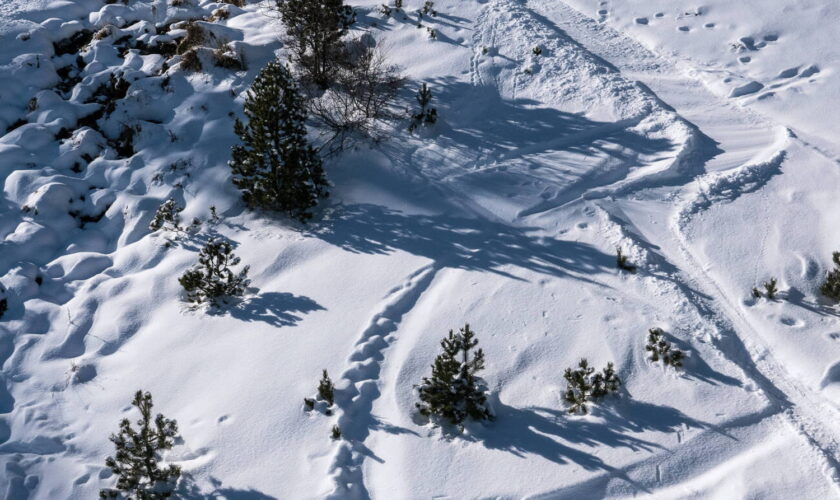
point(627, 131)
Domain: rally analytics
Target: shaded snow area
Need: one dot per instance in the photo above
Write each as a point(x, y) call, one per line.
point(702, 140)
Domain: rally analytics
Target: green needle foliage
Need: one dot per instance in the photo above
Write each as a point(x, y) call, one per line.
point(212, 279)
point(275, 167)
point(137, 460)
point(585, 385)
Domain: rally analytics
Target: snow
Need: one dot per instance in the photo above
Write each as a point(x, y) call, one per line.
point(697, 138)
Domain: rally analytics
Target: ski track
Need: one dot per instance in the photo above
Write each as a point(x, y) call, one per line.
point(359, 384)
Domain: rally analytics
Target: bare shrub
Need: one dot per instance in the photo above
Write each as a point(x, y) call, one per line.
point(195, 36)
point(361, 97)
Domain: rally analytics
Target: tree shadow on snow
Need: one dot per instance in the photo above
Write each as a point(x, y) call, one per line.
point(469, 244)
point(189, 490)
point(275, 308)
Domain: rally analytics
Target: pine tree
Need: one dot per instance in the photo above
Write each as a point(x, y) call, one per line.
point(831, 287)
point(454, 392)
point(770, 288)
point(584, 385)
point(427, 115)
point(326, 389)
point(137, 460)
point(276, 168)
point(167, 216)
point(621, 261)
point(315, 29)
point(660, 349)
point(212, 278)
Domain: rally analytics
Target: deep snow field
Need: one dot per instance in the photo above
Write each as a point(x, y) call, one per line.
point(701, 138)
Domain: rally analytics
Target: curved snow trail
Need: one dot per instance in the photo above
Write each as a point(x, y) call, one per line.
point(753, 150)
point(359, 384)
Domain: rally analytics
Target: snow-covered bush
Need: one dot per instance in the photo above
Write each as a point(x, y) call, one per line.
point(831, 287)
point(314, 30)
point(427, 114)
point(622, 263)
point(137, 460)
point(454, 392)
point(326, 389)
point(167, 217)
point(212, 279)
point(275, 167)
point(586, 386)
point(770, 288)
point(660, 349)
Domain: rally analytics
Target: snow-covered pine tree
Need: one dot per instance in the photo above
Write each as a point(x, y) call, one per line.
point(660, 349)
point(167, 216)
point(831, 287)
point(315, 29)
point(427, 115)
point(622, 263)
point(454, 392)
point(584, 385)
point(212, 279)
point(326, 389)
point(770, 288)
point(275, 167)
point(137, 460)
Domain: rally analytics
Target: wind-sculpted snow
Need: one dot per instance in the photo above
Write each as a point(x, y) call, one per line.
point(634, 126)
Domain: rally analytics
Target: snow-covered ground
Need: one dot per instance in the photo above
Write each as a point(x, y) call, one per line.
point(701, 139)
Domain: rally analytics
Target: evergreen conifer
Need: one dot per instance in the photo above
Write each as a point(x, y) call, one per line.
point(212, 279)
point(454, 392)
point(660, 349)
point(137, 460)
point(427, 115)
point(584, 385)
point(831, 287)
point(275, 167)
point(326, 389)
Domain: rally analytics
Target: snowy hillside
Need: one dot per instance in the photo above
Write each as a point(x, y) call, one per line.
point(703, 141)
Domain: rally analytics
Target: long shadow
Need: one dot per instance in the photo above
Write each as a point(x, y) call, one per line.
point(189, 490)
point(278, 309)
point(463, 243)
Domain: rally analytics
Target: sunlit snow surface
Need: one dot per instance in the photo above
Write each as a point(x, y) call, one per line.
point(702, 140)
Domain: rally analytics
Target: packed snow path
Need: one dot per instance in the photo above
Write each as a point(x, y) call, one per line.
point(505, 215)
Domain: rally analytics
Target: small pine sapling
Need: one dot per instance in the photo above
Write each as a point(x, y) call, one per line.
point(432, 33)
point(755, 293)
point(660, 349)
point(537, 50)
point(454, 392)
point(621, 261)
point(831, 287)
point(167, 217)
point(212, 279)
point(335, 434)
point(385, 10)
point(770, 288)
point(429, 8)
point(427, 115)
point(137, 460)
point(309, 403)
point(398, 4)
point(326, 389)
point(584, 385)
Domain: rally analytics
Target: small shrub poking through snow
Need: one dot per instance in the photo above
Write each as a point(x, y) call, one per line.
point(4, 302)
point(167, 217)
point(427, 114)
point(454, 392)
point(275, 167)
point(831, 287)
point(190, 61)
point(660, 349)
point(586, 386)
point(335, 434)
point(770, 288)
point(212, 279)
point(621, 261)
point(137, 460)
point(326, 389)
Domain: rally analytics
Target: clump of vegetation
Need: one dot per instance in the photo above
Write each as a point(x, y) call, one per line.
point(360, 98)
point(770, 288)
point(212, 279)
point(326, 389)
point(275, 167)
point(585, 385)
point(167, 216)
point(537, 50)
point(137, 460)
point(190, 61)
point(831, 287)
point(454, 392)
point(660, 349)
point(427, 115)
point(335, 434)
point(225, 57)
point(195, 37)
point(622, 263)
point(314, 32)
